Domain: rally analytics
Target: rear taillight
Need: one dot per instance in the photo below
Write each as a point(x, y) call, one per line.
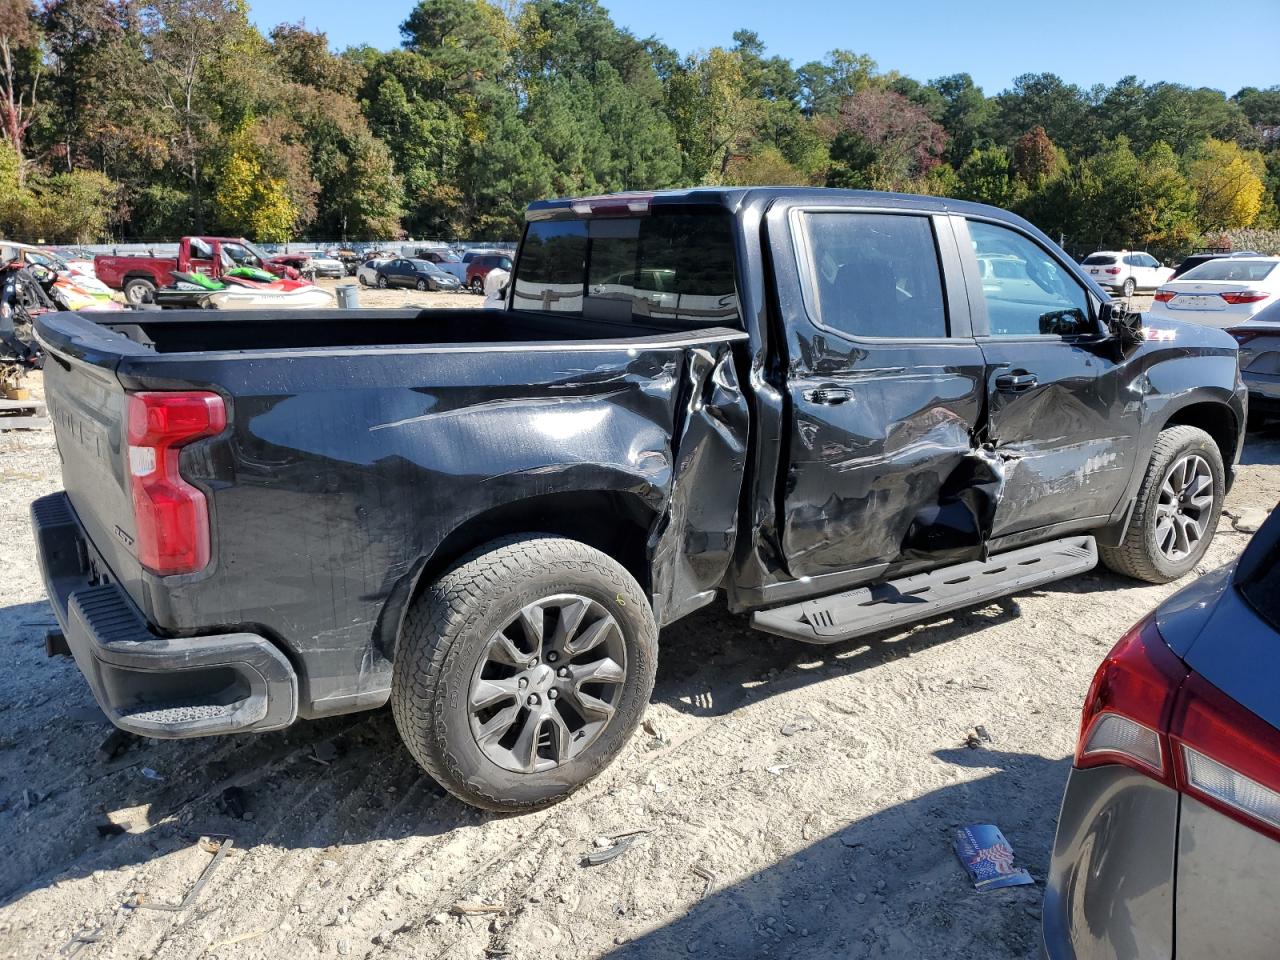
point(1226, 756)
point(1129, 703)
point(171, 516)
point(1145, 710)
point(1164, 296)
point(1114, 271)
point(1245, 296)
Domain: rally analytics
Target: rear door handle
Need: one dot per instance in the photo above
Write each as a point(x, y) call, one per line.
point(1016, 382)
point(830, 395)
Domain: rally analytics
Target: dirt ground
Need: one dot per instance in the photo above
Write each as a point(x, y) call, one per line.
point(372, 297)
point(794, 801)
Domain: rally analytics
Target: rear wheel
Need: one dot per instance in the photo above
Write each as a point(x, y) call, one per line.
point(523, 671)
point(1177, 510)
point(139, 291)
point(477, 285)
point(1129, 287)
point(363, 282)
point(382, 282)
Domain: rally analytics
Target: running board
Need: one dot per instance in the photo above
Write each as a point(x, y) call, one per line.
point(892, 603)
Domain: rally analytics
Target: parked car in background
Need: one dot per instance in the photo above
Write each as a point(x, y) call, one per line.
point(1126, 271)
point(480, 265)
point(347, 257)
point(322, 265)
point(367, 272)
point(1220, 292)
point(1259, 339)
point(1198, 258)
point(1168, 841)
point(140, 276)
point(420, 274)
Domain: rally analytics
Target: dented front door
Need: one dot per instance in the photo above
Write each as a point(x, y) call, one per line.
point(1064, 409)
point(886, 391)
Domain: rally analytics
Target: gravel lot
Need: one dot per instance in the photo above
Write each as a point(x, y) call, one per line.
point(400, 297)
point(797, 801)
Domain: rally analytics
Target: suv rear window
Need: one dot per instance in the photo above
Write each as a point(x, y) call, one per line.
point(1098, 260)
point(664, 269)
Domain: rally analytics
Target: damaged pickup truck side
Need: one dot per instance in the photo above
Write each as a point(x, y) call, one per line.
point(835, 411)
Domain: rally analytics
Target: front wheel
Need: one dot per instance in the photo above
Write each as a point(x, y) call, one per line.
point(1177, 509)
point(523, 671)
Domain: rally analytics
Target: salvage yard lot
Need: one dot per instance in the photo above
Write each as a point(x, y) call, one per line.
point(796, 801)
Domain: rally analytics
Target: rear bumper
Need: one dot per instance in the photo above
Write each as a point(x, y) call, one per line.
point(1110, 891)
point(151, 685)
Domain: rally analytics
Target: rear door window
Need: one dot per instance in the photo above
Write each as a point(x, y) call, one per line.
point(665, 269)
point(876, 274)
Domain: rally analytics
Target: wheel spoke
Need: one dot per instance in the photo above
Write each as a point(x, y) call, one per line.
point(502, 649)
point(497, 725)
point(1164, 534)
point(567, 623)
point(598, 671)
point(592, 637)
point(563, 737)
point(591, 708)
point(485, 693)
point(525, 749)
point(531, 620)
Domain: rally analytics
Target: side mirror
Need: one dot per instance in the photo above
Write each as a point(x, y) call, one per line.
point(1071, 322)
point(1123, 324)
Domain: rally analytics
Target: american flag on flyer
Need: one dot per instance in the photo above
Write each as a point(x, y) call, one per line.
point(988, 857)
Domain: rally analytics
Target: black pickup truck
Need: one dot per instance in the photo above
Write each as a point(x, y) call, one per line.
point(834, 411)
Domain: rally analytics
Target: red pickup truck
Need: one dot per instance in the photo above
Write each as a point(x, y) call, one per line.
point(139, 277)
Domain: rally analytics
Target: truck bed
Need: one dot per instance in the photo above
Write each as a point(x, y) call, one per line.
point(358, 440)
point(184, 331)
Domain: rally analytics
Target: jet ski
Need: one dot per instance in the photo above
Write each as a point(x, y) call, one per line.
point(241, 288)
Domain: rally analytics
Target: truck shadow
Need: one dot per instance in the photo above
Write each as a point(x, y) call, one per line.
point(887, 884)
point(712, 663)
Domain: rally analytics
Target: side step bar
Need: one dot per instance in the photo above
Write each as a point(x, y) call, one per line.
point(892, 603)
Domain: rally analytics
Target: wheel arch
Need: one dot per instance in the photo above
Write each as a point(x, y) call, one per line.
point(1218, 420)
point(616, 523)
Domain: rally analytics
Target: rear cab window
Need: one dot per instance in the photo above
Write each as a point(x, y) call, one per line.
point(674, 270)
point(876, 275)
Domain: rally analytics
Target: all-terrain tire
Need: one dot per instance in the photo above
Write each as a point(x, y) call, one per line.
point(1138, 555)
point(446, 631)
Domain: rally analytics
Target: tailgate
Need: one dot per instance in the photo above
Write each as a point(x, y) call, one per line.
point(87, 406)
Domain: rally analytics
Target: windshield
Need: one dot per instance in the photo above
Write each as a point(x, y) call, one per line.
point(426, 266)
point(669, 269)
point(1225, 268)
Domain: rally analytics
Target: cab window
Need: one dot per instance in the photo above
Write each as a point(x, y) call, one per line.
point(1027, 292)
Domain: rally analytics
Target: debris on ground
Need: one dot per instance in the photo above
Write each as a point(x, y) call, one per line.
point(474, 908)
point(988, 857)
point(151, 774)
point(623, 844)
point(799, 725)
point(324, 752)
point(224, 847)
point(80, 941)
point(976, 737)
point(116, 743)
point(232, 802)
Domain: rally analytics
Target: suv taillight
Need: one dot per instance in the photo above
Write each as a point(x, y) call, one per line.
point(171, 516)
point(1113, 271)
point(1147, 711)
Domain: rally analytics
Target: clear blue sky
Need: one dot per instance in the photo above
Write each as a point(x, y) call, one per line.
point(1225, 44)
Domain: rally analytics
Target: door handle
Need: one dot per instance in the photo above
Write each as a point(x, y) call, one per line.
point(831, 395)
point(1016, 382)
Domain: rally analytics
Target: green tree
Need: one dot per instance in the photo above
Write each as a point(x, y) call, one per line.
point(966, 115)
point(987, 177)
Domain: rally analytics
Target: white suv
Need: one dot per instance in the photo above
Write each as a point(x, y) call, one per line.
point(1126, 271)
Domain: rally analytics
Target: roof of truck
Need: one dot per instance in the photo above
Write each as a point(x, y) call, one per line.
point(639, 201)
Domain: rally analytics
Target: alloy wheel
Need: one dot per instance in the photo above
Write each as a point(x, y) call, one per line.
point(1184, 507)
point(547, 684)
